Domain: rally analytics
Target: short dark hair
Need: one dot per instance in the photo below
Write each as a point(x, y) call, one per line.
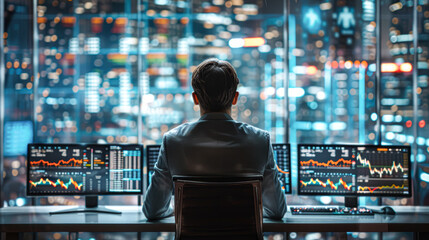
point(215, 83)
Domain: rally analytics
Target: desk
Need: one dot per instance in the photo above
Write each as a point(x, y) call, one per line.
point(37, 219)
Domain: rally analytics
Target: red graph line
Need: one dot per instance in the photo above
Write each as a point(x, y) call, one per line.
point(330, 163)
point(380, 171)
point(379, 188)
point(57, 183)
point(43, 162)
point(328, 182)
point(282, 171)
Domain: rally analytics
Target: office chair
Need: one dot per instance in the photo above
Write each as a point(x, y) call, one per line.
point(218, 207)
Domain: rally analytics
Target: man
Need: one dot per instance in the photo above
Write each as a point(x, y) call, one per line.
point(214, 145)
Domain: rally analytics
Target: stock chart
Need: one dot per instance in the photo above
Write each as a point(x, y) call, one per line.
point(55, 169)
point(59, 182)
point(56, 157)
point(78, 169)
point(327, 170)
point(383, 170)
point(282, 159)
point(357, 170)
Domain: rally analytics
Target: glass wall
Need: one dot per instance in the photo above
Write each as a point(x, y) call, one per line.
point(18, 96)
point(397, 98)
point(332, 86)
point(421, 120)
point(118, 71)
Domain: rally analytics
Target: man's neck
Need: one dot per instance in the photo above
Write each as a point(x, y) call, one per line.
point(202, 112)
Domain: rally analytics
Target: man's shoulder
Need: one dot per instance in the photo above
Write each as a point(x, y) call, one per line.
point(243, 128)
point(179, 129)
point(250, 129)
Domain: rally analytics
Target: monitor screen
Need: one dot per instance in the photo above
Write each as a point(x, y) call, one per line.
point(383, 171)
point(152, 152)
point(281, 157)
point(73, 169)
point(17, 135)
point(354, 170)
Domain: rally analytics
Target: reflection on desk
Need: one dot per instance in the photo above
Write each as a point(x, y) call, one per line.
point(37, 219)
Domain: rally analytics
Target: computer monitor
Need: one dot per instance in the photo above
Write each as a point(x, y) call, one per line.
point(354, 170)
point(85, 170)
point(17, 135)
point(152, 152)
point(383, 171)
point(281, 157)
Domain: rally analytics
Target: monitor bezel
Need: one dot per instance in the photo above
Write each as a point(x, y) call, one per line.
point(290, 164)
point(356, 194)
point(81, 194)
point(147, 161)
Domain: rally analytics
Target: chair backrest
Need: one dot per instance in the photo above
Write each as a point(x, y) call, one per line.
point(218, 207)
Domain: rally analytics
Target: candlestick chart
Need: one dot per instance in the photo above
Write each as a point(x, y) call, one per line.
point(343, 184)
point(72, 162)
point(47, 182)
point(354, 170)
point(340, 163)
point(383, 171)
point(326, 170)
point(327, 158)
point(56, 157)
point(70, 169)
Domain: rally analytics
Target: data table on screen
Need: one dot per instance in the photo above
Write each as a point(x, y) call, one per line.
point(282, 158)
point(69, 169)
point(152, 152)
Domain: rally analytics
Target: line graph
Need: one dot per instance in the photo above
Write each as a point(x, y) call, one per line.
point(280, 170)
point(281, 154)
point(330, 163)
point(61, 163)
point(382, 170)
point(327, 183)
point(372, 189)
point(57, 183)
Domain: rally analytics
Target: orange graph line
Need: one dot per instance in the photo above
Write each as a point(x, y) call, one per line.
point(278, 169)
point(76, 161)
point(58, 182)
point(381, 171)
point(328, 182)
point(379, 188)
point(327, 164)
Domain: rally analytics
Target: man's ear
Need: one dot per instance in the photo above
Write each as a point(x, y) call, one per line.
point(195, 98)
point(234, 101)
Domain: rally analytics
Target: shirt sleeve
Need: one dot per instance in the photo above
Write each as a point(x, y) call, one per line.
point(158, 196)
point(273, 198)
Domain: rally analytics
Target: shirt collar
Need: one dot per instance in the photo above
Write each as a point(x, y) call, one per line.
point(216, 116)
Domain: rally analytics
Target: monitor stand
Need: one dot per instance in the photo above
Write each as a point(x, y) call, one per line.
point(91, 206)
point(351, 202)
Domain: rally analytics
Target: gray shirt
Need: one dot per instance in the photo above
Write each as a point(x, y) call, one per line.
point(215, 145)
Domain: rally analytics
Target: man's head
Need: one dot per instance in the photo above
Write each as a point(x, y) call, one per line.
point(215, 85)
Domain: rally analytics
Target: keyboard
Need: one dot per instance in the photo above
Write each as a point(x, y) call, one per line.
point(330, 211)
